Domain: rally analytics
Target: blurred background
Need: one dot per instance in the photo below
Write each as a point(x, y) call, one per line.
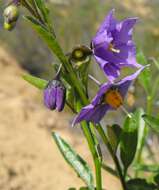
point(28, 157)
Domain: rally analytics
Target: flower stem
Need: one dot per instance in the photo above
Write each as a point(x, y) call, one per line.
point(114, 157)
point(96, 159)
point(94, 80)
point(86, 127)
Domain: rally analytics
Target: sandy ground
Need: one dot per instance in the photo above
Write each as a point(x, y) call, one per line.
point(29, 159)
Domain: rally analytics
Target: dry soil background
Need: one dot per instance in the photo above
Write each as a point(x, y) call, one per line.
point(29, 159)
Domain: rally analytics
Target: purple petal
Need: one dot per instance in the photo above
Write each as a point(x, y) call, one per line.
point(109, 22)
point(97, 99)
point(91, 113)
point(112, 71)
point(102, 40)
point(128, 52)
point(125, 83)
point(124, 30)
point(50, 98)
point(60, 98)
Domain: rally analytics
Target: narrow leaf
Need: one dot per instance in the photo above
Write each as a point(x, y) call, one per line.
point(110, 170)
point(153, 122)
point(44, 10)
point(147, 168)
point(128, 143)
point(75, 161)
point(48, 38)
point(156, 179)
point(35, 81)
point(114, 134)
point(140, 184)
point(145, 76)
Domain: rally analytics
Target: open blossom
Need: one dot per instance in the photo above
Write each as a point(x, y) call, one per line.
point(113, 47)
point(109, 97)
point(55, 95)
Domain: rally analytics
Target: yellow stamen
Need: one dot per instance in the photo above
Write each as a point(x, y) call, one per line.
point(113, 98)
point(111, 48)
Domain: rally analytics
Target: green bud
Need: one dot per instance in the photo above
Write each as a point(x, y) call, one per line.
point(80, 53)
point(11, 14)
point(8, 26)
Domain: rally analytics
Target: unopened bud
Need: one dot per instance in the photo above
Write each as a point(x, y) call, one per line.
point(80, 53)
point(11, 14)
point(55, 95)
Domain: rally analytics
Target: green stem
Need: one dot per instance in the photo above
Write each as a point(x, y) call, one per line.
point(87, 132)
point(114, 157)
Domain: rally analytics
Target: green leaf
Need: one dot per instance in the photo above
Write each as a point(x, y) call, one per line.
point(156, 179)
point(110, 170)
point(145, 76)
point(128, 143)
point(48, 38)
point(35, 81)
point(75, 161)
point(140, 184)
point(153, 122)
point(72, 188)
point(43, 9)
point(147, 168)
point(114, 133)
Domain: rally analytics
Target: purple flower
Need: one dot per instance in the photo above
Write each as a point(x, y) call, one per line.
point(113, 47)
point(55, 95)
point(109, 97)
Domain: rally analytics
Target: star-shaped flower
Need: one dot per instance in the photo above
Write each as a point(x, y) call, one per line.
point(113, 47)
point(109, 97)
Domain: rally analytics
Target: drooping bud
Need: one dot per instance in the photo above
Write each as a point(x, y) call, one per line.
point(11, 15)
point(80, 53)
point(55, 95)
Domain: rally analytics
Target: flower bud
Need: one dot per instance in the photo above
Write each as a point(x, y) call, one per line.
point(80, 53)
point(55, 95)
point(8, 26)
point(11, 14)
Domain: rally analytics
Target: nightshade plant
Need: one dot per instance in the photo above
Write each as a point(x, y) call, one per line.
point(113, 48)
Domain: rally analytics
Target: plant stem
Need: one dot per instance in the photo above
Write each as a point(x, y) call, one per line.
point(92, 146)
point(94, 80)
point(96, 159)
point(114, 157)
